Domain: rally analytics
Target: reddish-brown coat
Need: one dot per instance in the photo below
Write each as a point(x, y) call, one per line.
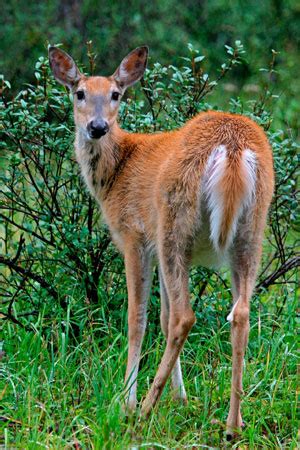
point(163, 194)
point(169, 166)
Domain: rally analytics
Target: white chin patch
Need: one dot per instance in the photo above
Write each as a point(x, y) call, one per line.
point(84, 136)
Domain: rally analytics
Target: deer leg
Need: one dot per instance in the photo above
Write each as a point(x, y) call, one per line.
point(244, 266)
point(181, 318)
point(138, 277)
point(178, 388)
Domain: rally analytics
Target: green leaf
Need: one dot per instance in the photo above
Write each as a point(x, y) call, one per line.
point(199, 59)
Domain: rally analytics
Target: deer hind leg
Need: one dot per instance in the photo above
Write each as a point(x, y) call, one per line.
point(243, 268)
point(138, 277)
point(178, 388)
point(181, 317)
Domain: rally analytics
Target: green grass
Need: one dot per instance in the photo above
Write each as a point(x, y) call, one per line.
point(60, 391)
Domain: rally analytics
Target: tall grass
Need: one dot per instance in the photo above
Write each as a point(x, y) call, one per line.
point(64, 392)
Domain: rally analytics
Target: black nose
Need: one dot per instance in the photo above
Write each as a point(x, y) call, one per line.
point(97, 128)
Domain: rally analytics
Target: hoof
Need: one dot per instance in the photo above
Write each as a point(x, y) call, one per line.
point(179, 397)
point(232, 434)
point(151, 399)
point(128, 408)
point(145, 411)
point(180, 400)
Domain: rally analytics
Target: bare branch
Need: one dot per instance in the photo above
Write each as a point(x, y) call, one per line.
point(282, 270)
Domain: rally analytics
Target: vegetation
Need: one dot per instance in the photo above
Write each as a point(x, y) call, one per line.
point(62, 288)
point(166, 26)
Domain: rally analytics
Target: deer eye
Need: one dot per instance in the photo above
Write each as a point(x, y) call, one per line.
point(80, 95)
point(115, 95)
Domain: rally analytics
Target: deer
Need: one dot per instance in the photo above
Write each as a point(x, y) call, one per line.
point(199, 194)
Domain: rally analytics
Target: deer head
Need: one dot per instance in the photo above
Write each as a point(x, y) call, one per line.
point(97, 98)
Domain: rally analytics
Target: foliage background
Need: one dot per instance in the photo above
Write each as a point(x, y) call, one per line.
point(62, 287)
point(166, 26)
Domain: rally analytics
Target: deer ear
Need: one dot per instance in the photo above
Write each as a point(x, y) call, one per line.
point(132, 67)
point(63, 67)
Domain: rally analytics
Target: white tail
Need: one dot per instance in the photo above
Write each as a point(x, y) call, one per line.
point(216, 171)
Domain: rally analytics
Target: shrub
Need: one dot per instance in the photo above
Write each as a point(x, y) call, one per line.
point(54, 248)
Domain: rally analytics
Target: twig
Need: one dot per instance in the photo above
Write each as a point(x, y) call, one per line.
point(282, 270)
point(28, 273)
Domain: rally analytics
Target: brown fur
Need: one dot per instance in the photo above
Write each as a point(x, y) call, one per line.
point(151, 188)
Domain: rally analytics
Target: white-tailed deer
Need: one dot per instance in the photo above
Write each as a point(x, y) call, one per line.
point(199, 194)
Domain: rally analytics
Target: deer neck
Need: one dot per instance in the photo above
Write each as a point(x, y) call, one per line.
point(100, 160)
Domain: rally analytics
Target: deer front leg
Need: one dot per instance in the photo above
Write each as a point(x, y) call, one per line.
point(181, 320)
point(138, 278)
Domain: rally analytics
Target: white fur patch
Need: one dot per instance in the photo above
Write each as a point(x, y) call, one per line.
point(215, 170)
point(230, 315)
point(123, 72)
point(72, 72)
point(177, 380)
point(250, 166)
